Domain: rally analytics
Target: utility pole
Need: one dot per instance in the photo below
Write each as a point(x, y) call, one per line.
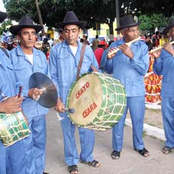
point(117, 16)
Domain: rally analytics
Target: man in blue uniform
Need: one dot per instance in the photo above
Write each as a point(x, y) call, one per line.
point(27, 60)
point(129, 65)
point(64, 61)
point(164, 65)
point(12, 158)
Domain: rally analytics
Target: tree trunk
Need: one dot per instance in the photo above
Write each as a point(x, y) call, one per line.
point(111, 30)
point(40, 16)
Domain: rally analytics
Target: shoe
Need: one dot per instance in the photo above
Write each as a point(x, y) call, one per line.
point(144, 152)
point(73, 169)
point(45, 173)
point(93, 163)
point(115, 155)
point(166, 150)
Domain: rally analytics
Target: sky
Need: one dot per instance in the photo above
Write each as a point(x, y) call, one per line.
point(2, 6)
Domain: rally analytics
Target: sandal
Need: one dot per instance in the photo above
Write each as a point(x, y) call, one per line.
point(166, 150)
point(93, 163)
point(144, 152)
point(73, 169)
point(115, 155)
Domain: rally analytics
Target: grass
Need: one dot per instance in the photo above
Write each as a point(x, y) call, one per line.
point(144, 133)
point(151, 124)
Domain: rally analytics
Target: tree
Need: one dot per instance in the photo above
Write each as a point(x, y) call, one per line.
point(39, 15)
point(150, 22)
point(92, 11)
point(5, 25)
point(54, 11)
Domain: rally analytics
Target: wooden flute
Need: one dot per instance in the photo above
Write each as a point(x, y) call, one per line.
point(160, 47)
point(116, 49)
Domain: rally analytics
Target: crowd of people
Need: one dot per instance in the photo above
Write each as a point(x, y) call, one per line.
point(129, 64)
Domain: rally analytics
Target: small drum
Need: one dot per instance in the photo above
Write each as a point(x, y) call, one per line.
point(98, 100)
point(13, 127)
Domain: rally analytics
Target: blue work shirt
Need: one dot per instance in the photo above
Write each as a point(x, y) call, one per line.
point(130, 72)
point(64, 65)
point(23, 70)
point(164, 65)
point(8, 82)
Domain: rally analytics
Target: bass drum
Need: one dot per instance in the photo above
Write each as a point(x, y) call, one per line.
point(98, 100)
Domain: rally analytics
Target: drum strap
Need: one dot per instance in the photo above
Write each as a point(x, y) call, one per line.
point(93, 68)
point(81, 59)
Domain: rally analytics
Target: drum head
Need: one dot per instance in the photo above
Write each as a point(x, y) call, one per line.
point(85, 97)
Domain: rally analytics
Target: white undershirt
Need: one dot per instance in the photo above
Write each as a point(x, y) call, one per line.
point(73, 49)
point(30, 58)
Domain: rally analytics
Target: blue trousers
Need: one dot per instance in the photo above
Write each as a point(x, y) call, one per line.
point(136, 106)
point(168, 120)
point(12, 159)
point(87, 141)
point(35, 145)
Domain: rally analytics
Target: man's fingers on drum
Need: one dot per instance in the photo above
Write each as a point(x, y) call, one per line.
point(62, 110)
point(59, 109)
point(56, 108)
point(13, 110)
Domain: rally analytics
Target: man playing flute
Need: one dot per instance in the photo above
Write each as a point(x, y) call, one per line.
point(129, 65)
point(164, 65)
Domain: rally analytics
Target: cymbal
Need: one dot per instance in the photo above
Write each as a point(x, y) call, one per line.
point(48, 98)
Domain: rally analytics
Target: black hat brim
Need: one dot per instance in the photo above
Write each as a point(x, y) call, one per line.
point(166, 30)
point(81, 24)
point(14, 29)
point(126, 26)
point(2, 16)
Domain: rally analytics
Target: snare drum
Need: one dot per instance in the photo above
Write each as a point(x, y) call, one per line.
point(13, 127)
point(98, 100)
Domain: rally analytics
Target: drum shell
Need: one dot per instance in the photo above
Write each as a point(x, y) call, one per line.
point(111, 107)
point(13, 127)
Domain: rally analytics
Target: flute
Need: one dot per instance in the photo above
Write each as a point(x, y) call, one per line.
point(117, 48)
point(160, 47)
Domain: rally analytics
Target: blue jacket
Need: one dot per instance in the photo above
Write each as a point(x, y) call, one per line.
point(130, 72)
point(164, 65)
point(23, 70)
point(8, 84)
point(63, 66)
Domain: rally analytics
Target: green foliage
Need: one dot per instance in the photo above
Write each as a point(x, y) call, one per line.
point(150, 22)
point(53, 11)
point(92, 11)
point(5, 25)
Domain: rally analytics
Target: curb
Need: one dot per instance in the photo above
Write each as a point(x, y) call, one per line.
point(150, 130)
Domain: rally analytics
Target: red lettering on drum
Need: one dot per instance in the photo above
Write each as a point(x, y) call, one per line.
point(82, 90)
point(87, 111)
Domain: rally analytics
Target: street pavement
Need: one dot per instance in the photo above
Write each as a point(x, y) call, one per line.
point(130, 161)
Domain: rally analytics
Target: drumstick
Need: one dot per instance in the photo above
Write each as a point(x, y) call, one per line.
point(117, 48)
point(20, 90)
point(70, 110)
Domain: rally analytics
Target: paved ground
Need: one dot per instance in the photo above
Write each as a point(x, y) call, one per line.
point(129, 163)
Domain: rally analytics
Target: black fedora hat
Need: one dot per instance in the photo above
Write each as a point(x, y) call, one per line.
point(2, 16)
point(169, 25)
point(71, 18)
point(25, 22)
point(127, 21)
